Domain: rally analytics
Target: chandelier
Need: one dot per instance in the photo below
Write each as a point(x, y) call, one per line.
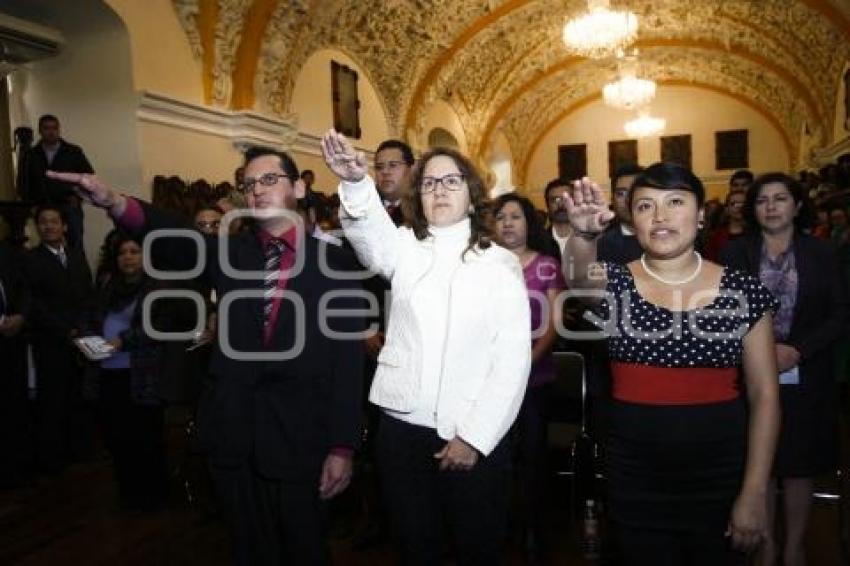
point(628, 92)
point(601, 31)
point(644, 126)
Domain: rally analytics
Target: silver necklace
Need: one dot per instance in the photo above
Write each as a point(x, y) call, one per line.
point(657, 277)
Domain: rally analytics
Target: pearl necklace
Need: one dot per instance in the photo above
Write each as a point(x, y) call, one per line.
point(657, 277)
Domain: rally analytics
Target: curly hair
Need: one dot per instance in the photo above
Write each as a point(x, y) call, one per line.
point(481, 235)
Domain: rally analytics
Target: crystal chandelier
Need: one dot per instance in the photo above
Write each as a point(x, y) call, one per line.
point(628, 92)
point(601, 31)
point(644, 126)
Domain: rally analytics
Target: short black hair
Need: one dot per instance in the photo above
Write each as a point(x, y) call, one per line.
point(406, 152)
point(306, 172)
point(625, 170)
point(805, 216)
point(745, 174)
point(554, 184)
point(47, 118)
point(55, 208)
point(287, 164)
point(669, 176)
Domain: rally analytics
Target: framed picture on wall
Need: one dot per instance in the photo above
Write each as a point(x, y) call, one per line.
point(731, 148)
point(572, 161)
point(676, 149)
point(346, 104)
point(621, 152)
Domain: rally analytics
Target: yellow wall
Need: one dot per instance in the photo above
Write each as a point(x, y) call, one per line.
point(312, 99)
point(442, 115)
point(688, 110)
point(162, 58)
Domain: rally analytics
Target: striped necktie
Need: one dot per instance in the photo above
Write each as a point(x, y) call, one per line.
point(274, 251)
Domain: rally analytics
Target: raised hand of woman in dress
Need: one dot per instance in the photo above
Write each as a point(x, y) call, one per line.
point(587, 209)
point(346, 163)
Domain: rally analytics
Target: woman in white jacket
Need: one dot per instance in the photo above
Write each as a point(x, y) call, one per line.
point(453, 371)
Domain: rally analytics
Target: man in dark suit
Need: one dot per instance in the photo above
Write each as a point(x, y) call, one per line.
point(15, 441)
point(618, 244)
point(282, 418)
point(60, 282)
point(54, 153)
point(559, 224)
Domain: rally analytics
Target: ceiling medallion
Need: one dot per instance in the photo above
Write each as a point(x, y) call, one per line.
point(628, 92)
point(601, 31)
point(645, 126)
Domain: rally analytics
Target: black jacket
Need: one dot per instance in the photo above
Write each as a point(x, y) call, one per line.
point(820, 312)
point(34, 184)
point(60, 295)
point(283, 415)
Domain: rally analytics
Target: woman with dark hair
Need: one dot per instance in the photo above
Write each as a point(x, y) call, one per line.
point(803, 273)
point(688, 465)
point(453, 370)
point(518, 228)
point(131, 407)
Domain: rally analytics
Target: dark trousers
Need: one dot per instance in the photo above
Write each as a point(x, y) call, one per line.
point(531, 431)
point(272, 522)
point(419, 498)
point(134, 435)
point(15, 440)
point(58, 428)
point(647, 547)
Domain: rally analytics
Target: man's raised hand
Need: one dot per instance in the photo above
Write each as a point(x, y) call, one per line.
point(348, 164)
point(91, 189)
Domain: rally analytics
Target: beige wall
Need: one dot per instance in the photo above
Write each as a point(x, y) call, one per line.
point(688, 110)
point(313, 105)
point(162, 58)
point(442, 115)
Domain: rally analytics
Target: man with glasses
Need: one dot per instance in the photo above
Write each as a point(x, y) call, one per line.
point(393, 164)
point(559, 224)
point(283, 415)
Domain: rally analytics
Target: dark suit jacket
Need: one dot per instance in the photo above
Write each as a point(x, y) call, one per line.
point(60, 295)
point(33, 183)
point(820, 313)
point(616, 247)
point(282, 415)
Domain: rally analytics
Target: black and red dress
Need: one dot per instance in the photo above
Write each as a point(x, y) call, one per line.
point(677, 442)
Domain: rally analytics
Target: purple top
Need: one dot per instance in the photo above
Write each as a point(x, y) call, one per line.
point(780, 277)
point(114, 324)
point(541, 274)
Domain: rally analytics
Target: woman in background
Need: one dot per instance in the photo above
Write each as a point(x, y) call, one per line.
point(518, 228)
point(803, 273)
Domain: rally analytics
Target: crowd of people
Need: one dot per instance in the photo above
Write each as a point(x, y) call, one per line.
point(713, 333)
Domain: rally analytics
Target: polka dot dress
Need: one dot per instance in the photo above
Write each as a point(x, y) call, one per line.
point(678, 468)
point(708, 337)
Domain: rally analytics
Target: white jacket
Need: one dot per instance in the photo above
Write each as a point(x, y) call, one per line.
point(487, 340)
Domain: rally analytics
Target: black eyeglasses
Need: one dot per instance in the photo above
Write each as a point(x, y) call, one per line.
point(452, 182)
point(266, 180)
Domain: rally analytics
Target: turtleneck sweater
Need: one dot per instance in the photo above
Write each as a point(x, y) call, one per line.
point(431, 309)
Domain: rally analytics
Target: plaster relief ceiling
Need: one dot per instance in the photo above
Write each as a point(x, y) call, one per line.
point(503, 68)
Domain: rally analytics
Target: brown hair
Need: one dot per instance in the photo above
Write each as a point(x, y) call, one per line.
point(481, 234)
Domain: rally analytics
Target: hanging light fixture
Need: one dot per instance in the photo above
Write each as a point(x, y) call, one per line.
point(628, 92)
point(601, 31)
point(644, 125)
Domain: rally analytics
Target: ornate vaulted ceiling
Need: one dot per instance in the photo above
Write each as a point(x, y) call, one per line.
point(502, 66)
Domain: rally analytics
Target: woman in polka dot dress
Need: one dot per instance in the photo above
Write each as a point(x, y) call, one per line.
point(688, 456)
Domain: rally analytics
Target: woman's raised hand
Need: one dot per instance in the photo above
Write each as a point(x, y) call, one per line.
point(348, 164)
point(587, 209)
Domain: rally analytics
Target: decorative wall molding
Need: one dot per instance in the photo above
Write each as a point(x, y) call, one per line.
point(831, 153)
point(243, 128)
point(310, 144)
